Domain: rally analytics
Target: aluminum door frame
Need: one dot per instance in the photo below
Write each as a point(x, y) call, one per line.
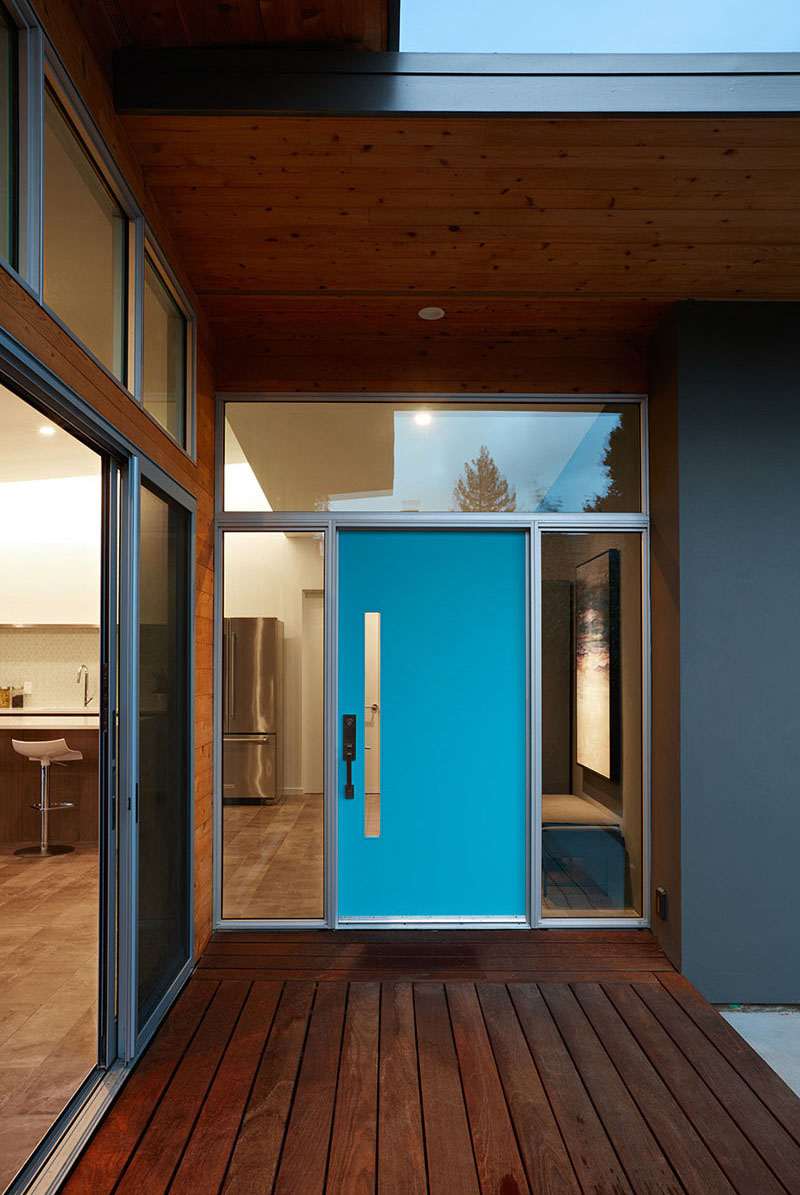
point(330, 524)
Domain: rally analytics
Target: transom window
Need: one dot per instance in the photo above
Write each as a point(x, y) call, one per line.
point(8, 138)
point(422, 455)
point(165, 354)
point(85, 244)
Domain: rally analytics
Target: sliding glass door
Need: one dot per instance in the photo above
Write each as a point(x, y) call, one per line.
point(162, 813)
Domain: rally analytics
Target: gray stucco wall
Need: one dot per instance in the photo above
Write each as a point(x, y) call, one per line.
point(738, 433)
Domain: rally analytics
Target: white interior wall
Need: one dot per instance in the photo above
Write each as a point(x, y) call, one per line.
point(266, 573)
point(50, 551)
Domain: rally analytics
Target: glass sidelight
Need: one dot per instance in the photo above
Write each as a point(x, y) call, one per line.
point(272, 700)
point(591, 662)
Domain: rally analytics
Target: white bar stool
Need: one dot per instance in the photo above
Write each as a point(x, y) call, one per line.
point(45, 753)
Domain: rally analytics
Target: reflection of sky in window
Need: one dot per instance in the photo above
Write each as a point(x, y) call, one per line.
point(586, 27)
point(558, 456)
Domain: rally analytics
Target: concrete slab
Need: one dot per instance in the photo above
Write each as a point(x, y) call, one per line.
point(773, 1030)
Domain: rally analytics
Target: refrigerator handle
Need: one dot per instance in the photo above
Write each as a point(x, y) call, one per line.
point(226, 694)
point(234, 662)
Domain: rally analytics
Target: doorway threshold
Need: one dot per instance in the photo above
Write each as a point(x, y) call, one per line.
point(499, 922)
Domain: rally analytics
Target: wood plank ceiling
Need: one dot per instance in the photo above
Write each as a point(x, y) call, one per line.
point(547, 241)
point(330, 24)
point(555, 246)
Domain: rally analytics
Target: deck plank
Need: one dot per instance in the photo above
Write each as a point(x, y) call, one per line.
point(401, 1147)
point(546, 1160)
point(776, 1146)
point(159, 1150)
point(353, 964)
point(435, 1062)
point(111, 1147)
point(745, 1169)
point(352, 1164)
point(694, 1165)
point(493, 1141)
point(427, 948)
point(301, 1170)
point(647, 1169)
point(777, 1095)
point(203, 1165)
point(597, 974)
point(596, 1164)
point(258, 1147)
point(448, 1146)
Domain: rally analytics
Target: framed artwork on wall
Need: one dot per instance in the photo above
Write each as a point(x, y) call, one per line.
point(597, 663)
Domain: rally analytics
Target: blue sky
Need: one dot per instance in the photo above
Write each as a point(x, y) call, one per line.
point(598, 27)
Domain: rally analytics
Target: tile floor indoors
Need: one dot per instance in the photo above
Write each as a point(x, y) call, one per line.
point(48, 992)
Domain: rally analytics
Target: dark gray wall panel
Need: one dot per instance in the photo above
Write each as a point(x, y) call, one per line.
point(739, 520)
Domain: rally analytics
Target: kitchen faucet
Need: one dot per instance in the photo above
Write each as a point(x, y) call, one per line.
point(84, 671)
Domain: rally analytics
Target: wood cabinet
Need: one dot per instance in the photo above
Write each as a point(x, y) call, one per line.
point(77, 781)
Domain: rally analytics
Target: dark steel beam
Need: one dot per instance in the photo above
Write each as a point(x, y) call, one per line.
point(393, 25)
point(257, 81)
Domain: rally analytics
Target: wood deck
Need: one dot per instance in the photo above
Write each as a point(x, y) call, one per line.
point(453, 1063)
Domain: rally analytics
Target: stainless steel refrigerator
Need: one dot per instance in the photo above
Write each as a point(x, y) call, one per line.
point(252, 738)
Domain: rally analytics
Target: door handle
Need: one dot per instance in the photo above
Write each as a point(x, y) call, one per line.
point(349, 751)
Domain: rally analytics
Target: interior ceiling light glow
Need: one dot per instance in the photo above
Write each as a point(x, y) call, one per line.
point(423, 418)
point(47, 431)
point(431, 313)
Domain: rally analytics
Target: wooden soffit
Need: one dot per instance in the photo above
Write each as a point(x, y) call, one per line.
point(552, 243)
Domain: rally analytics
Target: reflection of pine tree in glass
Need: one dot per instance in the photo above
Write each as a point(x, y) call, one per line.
point(620, 468)
point(482, 487)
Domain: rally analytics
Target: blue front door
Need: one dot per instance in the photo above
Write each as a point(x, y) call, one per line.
point(447, 837)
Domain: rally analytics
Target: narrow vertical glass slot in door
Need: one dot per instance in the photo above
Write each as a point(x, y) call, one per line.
point(372, 725)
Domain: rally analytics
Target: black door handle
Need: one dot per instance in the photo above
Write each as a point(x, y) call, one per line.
point(349, 751)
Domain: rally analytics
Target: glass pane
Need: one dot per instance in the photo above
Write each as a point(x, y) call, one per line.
point(164, 388)
point(85, 242)
point(272, 747)
point(50, 562)
point(164, 799)
point(592, 725)
point(372, 724)
point(8, 138)
point(371, 456)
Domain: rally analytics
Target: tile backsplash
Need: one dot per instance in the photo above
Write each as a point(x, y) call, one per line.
point(49, 657)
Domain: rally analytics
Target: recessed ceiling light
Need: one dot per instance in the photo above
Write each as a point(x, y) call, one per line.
point(431, 313)
point(423, 418)
point(47, 431)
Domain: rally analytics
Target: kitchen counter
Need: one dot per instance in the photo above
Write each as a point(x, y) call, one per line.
point(51, 720)
point(77, 782)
